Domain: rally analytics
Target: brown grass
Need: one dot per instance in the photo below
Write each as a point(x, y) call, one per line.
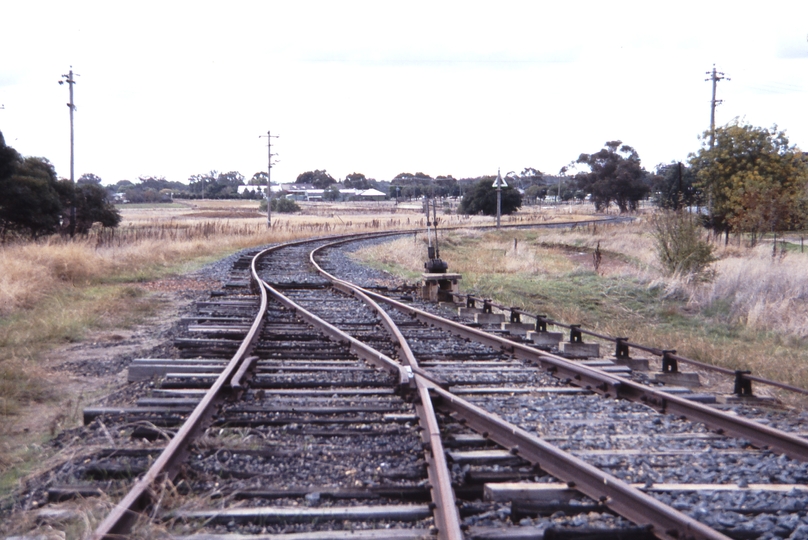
point(752, 316)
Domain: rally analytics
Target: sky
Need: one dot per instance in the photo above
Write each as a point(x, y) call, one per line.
point(180, 88)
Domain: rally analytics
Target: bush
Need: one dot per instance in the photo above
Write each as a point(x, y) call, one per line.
point(282, 206)
point(680, 246)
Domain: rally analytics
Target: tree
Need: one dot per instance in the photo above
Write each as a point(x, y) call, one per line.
point(92, 205)
point(482, 198)
point(534, 193)
point(530, 177)
point(258, 179)
point(752, 179)
point(317, 178)
point(673, 186)
point(615, 175)
point(31, 203)
point(356, 181)
point(89, 178)
point(331, 194)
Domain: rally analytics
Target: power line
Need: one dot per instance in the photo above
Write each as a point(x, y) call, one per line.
point(715, 76)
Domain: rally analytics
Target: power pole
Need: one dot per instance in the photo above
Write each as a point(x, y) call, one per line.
point(269, 138)
point(499, 183)
point(70, 82)
point(715, 76)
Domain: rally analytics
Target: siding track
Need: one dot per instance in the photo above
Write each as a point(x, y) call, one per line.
point(303, 407)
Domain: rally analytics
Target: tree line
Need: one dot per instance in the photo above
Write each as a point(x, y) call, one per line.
point(35, 202)
point(744, 179)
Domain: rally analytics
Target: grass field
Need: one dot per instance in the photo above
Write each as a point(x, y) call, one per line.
point(752, 316)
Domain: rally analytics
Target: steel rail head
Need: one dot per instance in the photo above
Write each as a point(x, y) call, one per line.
point(580, 375)
point(119, 521)
point(758, 434)
point(626, 500)
point(362, 350)
point(597, 381)
point(446, 515)
point(652, 350)
point(618, 495)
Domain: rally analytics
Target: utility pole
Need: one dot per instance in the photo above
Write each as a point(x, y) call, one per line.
point(715, 76)
point(499, 183)
point(70, 82)
point(269, 138)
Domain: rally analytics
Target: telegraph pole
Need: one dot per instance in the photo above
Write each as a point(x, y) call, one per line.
point(269, 138)
point(715, 76)
point(499, 183)
point(70, 82)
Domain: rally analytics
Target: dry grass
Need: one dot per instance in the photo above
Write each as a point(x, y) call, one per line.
point(761, 292)
point(752, 316)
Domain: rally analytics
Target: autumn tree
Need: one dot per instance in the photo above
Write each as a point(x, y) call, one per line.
point(615, 175)
point(753, 180)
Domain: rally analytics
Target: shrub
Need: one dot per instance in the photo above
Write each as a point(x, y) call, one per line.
point(680, 246)
point(281, 206)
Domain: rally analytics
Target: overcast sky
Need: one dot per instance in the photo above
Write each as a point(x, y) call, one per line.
point(180, 88)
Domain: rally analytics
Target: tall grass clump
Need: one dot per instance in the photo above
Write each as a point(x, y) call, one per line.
point(681, 247)
point(761, 292)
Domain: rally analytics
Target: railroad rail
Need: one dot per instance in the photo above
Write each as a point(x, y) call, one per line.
point(670, 360)
point(475, 434)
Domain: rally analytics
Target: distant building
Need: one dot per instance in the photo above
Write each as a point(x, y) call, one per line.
point(372, 195)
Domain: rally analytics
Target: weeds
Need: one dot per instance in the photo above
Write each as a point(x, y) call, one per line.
point(680, 246)
point(753, 315)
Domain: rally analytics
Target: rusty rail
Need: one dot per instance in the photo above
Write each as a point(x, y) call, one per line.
point(165, 468)
point(607, 385)
point(120, 520)
point(667, 523)
point(743, 378)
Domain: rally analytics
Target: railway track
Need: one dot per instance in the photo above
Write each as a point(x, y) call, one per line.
point(300, 406)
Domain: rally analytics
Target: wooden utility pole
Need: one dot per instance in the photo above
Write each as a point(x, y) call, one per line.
point(499, 183)
point(70, 82)
point(269, 138)
point(715, 76)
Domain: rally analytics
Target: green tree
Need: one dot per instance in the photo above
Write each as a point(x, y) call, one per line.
point(753, 180)
point(615, 175)
point(92, 206)
point(356, 181)
point(89, 178)
point(258, 179)
point(31, 203)
point(673, 186)
point(331, 194)
point(317, 178)
point(481, 198)
point(534, 193)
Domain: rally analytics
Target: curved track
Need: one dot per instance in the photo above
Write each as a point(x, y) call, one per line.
point(316, 409)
